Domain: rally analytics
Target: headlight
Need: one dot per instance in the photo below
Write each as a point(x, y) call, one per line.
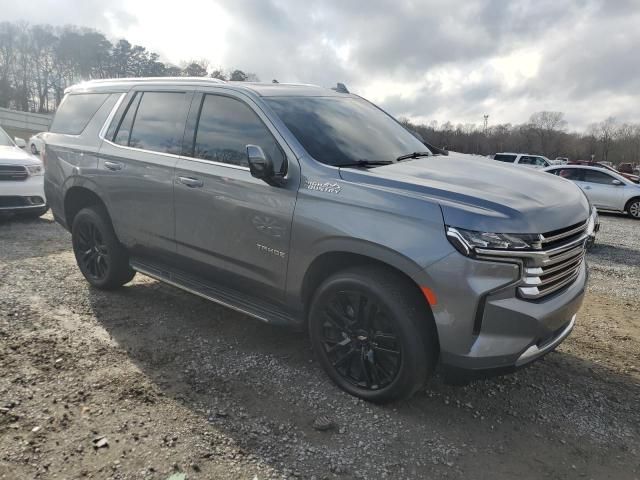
point(35, 170)
point(466, 241)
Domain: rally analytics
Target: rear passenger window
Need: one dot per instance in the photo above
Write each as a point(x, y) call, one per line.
point(505, 158)
point(76, 111)
point(226, 126)
point(154, 121)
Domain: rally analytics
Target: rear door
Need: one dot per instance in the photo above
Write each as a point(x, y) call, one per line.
point(136, 166)
point(232, 228)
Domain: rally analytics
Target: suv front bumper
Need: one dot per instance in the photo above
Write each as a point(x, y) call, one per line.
point(485, 328)
point(22, 196)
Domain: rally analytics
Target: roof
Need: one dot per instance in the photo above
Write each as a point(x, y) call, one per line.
point(261, 89)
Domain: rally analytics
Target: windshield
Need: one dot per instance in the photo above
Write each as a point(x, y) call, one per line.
point(5, 140)
point(344, 130)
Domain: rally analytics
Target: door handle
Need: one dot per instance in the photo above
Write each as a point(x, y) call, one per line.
point(191, 182)
point(587, 187)
point(113, 166)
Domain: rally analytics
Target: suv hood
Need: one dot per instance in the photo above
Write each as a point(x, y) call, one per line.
point(481, 194)
point(16, 156)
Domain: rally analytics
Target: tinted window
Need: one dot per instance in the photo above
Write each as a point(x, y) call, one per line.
point(124, 130)
point(593, 176)
point(76, 111)
point(505, 158)
point(158, 122)
point(226, 127)
point(344, 130)
point(574, 174)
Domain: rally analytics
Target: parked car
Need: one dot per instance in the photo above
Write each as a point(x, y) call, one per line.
point(21, 179)
point(607, 190)
point(561, 160)
point(524, 159)
point(607, 166)
point(625, 168)
point(35, 143)
point(263, 198)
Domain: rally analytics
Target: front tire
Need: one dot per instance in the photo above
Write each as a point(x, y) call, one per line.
point(102, 259)
point(373, 333)
point(633, 208)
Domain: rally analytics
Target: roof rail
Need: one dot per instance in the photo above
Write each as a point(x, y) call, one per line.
point(152, 79)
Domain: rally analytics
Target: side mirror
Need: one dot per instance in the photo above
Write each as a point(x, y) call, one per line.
point(261, 166)
point(20, 142)
point(616, 182)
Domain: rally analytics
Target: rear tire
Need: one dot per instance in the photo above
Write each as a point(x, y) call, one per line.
point(102, 259)
point(373, 333)
point(633, 208)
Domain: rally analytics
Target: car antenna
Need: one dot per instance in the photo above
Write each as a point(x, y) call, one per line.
point(340, 88)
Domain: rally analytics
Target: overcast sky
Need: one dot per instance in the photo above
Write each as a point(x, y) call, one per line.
point(423, 59)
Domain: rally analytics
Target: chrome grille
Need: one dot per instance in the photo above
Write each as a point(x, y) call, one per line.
point(557, 265)
point(13, 173)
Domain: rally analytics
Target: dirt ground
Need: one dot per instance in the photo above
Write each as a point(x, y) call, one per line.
point(149, 382)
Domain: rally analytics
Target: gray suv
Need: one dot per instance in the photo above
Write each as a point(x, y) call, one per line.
point(313, 208)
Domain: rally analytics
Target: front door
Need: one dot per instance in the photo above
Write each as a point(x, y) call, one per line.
point(232, 228)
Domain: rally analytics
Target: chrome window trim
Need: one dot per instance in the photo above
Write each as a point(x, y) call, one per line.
point(112, 113)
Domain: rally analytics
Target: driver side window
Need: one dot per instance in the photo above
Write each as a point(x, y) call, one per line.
point(226, 126)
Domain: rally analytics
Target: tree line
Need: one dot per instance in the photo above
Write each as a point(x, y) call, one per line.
point(37, 63)
point(544, 134)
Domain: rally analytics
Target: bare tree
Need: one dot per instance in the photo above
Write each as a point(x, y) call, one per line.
point(546, 125)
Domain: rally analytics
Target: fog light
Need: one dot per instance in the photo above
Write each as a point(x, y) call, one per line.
point(35, 200)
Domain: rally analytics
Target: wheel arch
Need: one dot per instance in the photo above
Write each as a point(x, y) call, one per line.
point(78, 196)
point(330, 262)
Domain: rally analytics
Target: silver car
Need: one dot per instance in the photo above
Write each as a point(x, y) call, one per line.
point(605, 189)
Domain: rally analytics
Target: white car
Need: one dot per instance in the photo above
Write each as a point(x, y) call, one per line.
point(21, 179)
point(523, 159)
point(605, 189)
point(36, 143)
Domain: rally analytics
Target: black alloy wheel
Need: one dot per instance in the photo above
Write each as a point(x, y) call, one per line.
point(373, 333)
point(94, 254)
point(359, 339)
point(102, 259)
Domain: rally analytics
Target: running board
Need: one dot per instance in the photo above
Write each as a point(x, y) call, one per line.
point(226, 297)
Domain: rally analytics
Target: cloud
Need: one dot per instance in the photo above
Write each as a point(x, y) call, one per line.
point(441, 60)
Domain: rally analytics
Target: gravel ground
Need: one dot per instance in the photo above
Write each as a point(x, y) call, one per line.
point(148, 382)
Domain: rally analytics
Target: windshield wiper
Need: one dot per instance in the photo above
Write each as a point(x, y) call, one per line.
point(413, 155)
point(366, 163)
